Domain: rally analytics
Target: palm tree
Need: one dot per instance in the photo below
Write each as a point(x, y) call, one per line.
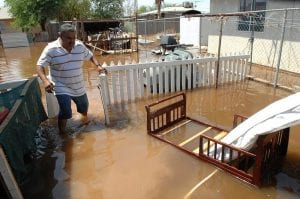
point(158, 4)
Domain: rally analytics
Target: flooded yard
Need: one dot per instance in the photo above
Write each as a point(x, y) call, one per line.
point(122, 161)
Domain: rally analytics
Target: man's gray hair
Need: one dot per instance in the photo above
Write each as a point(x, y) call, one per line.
point(67, 27)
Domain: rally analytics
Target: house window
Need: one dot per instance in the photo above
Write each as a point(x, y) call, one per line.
point(256, 23)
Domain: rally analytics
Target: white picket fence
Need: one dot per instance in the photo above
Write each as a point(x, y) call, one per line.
point(136, 80)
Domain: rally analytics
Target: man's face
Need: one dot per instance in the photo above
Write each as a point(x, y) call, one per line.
point(68, 40)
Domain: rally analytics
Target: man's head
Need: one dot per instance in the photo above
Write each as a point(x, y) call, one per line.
point(68, 35)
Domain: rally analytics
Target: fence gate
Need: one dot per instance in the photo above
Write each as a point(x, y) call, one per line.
point(125, 83)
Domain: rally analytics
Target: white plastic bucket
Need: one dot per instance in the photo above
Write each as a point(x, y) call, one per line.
point(52, 105)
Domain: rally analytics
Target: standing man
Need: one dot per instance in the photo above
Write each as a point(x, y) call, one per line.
point(65, 57)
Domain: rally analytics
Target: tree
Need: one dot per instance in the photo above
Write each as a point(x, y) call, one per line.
point(80, 9)
point(129, 9)
point(143, 9)
point(29, 13)
point(108, 9)
point(158, 4)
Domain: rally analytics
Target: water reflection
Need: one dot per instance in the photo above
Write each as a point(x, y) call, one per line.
point(122, 161)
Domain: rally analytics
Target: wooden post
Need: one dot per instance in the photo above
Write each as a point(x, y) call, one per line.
point(8, 177)
point(104, 93)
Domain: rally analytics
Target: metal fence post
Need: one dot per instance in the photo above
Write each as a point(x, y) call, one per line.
point(280, 47)
point(200, 30)
point(145, 38)
point(219, 51)
point(251, 45)
point(165, 25)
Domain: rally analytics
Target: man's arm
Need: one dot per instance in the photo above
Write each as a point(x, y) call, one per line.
point(99, 67)
point(46, 82)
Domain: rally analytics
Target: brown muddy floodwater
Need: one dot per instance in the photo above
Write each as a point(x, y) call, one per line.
point(122, 161)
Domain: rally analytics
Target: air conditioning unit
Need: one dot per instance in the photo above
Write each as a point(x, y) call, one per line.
point(187, 4)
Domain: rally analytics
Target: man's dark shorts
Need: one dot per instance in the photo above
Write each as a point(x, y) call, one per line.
point(64, 101)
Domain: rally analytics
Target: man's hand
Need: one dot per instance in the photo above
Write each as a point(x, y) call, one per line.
point(49, 87)
point(101, 69)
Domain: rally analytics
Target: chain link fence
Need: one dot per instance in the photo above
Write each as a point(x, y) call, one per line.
point(269, 36)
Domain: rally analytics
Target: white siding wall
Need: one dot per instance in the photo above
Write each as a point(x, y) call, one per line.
point(264, 52)
point(266, 43)
point(190, 31)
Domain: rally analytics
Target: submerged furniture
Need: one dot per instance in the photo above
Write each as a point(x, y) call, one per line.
point(167, 121)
